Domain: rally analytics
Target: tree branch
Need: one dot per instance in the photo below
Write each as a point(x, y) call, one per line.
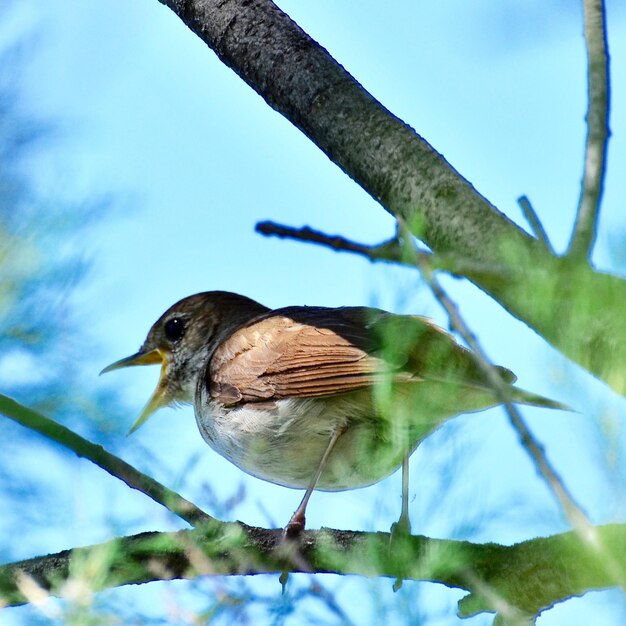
point(107, 461)
point(584, 233)
point(389, 251)
point(524, 578)
point(412, 181)
point(533, 219)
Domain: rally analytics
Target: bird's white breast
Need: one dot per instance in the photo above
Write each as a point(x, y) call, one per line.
point(283, 441)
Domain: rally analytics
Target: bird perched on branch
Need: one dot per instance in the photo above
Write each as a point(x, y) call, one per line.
point(312, 397)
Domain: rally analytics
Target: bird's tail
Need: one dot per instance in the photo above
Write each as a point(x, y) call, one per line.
point(521, 396)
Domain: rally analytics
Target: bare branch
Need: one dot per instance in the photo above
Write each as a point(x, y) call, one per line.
point(107, 461)
point(584, 233)
point(390, 251)
point(535, 223)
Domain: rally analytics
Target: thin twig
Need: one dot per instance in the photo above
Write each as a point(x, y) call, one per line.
point(574, 513)
point(535, 223)
point(388, 251)
point(584, 233)
point(107, 461)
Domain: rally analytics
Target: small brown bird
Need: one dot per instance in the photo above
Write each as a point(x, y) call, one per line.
point(312, 397)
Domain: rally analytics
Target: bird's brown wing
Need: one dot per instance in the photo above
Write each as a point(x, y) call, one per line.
point(316, 351)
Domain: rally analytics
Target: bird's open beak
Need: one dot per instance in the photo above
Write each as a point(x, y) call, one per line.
point(159, 397)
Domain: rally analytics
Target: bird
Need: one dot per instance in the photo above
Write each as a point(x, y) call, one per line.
point(312, 397)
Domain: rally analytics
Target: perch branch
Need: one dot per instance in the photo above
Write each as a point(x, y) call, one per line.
point(529, 577)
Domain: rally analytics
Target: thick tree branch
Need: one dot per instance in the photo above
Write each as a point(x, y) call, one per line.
point(107, 461)
point(584, 234)
point(525, 578)
point(578, 310)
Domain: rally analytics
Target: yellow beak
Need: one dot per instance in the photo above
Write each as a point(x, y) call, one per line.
point(159, 397)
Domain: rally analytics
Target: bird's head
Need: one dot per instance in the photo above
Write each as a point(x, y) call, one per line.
point(182, 340)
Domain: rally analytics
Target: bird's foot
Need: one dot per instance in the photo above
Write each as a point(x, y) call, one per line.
point(295, 527)
point(289, 545)
point(400, 529)
point(400, 532)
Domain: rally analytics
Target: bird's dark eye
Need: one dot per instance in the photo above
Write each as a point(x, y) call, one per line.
point(174, 329)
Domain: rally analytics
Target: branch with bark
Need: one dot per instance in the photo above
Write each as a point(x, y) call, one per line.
point(517, 582)
point(583, 311)
point(390, 251)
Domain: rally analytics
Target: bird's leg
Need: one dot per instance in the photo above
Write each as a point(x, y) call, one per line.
point(298, 519)
point(296, 524)
point(404, 523)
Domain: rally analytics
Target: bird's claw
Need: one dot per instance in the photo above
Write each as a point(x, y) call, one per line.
point(400, 531)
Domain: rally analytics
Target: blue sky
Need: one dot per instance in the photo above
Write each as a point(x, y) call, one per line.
point(192, 158)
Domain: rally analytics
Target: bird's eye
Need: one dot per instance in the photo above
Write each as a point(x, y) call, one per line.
point(174, 329)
